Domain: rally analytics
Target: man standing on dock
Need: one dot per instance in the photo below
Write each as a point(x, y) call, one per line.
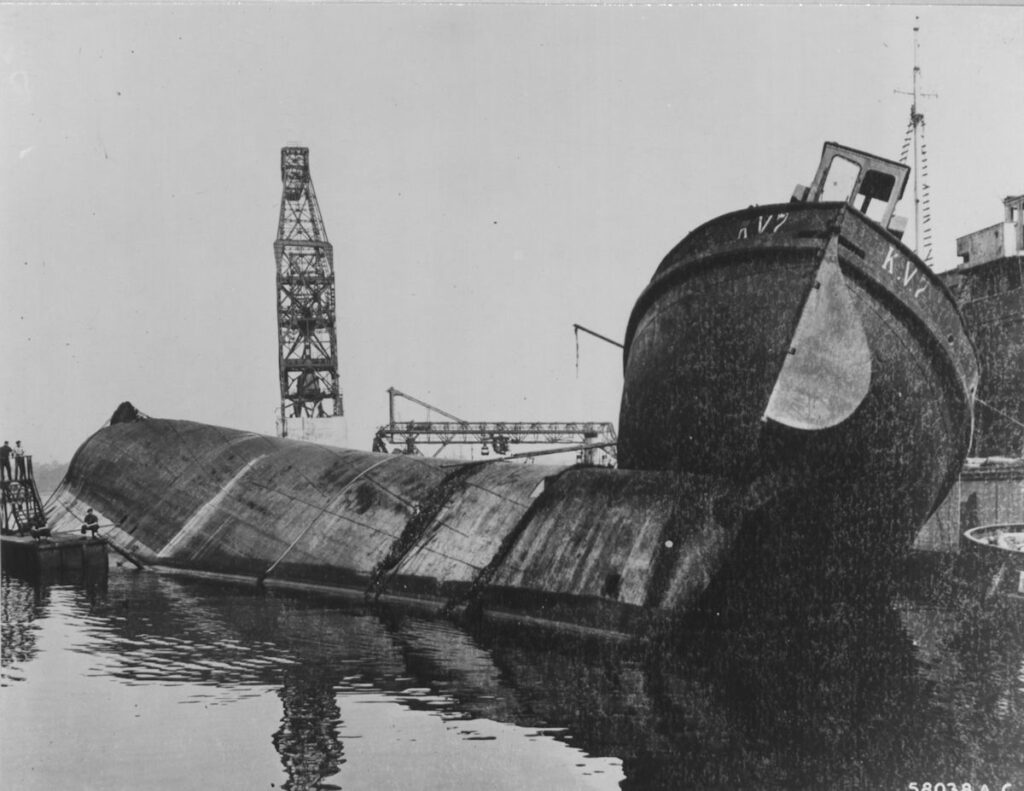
point(19, 461)
point(5, 460)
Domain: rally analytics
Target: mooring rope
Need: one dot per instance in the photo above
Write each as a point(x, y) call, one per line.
point(999, 412)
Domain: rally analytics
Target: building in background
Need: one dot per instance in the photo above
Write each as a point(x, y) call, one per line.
point(989, 286)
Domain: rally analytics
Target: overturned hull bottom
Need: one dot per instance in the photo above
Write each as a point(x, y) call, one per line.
point(588, 547)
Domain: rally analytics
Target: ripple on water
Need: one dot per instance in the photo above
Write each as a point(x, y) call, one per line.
point(313, 694)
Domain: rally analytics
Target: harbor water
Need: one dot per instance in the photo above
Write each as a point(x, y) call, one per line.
point(140, 680)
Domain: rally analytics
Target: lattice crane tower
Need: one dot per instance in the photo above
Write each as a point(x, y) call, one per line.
point(311, 401)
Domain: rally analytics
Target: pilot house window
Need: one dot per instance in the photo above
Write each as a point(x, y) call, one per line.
point(875, 189)
point(840, 180)
point(870, 193)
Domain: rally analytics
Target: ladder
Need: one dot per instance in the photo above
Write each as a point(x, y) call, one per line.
point(20, 505)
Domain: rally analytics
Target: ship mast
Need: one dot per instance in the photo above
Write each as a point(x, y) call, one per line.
point(915, 138)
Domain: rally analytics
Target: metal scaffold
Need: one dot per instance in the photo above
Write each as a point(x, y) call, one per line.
point(306, 317)
point(21, 508)
point(499, 437)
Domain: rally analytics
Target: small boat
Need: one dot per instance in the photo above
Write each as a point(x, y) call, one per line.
point(995, 555)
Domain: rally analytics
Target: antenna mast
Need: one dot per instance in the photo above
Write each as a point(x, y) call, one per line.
point(915, 138)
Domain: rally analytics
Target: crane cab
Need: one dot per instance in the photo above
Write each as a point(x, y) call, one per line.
point(869, 183)
point(294, 170)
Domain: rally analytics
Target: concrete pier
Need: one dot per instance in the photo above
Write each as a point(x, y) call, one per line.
point(57, 554)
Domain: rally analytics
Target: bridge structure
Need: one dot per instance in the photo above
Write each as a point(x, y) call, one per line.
point(497, 437)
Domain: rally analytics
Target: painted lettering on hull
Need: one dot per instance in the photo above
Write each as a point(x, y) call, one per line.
point(905, 271)
point(765, 224)
point(902, 269)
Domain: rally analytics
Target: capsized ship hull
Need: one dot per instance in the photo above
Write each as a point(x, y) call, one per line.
point(600, 548)
point(803, 347)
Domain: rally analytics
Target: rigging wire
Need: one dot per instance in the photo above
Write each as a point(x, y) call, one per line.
point(999, 412)
point(914, 142)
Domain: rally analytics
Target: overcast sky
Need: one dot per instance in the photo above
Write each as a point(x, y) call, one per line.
point(488, 176)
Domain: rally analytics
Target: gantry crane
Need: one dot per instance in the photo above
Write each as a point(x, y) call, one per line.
point(406, 436)
point(306, 321)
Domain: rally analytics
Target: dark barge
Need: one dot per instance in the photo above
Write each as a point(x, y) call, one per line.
point(802, 348)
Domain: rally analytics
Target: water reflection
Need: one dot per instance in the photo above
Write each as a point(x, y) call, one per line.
point(20, 605)
point(307, 740)
point(917, 693)
point(23, 601)
point(786, 707)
